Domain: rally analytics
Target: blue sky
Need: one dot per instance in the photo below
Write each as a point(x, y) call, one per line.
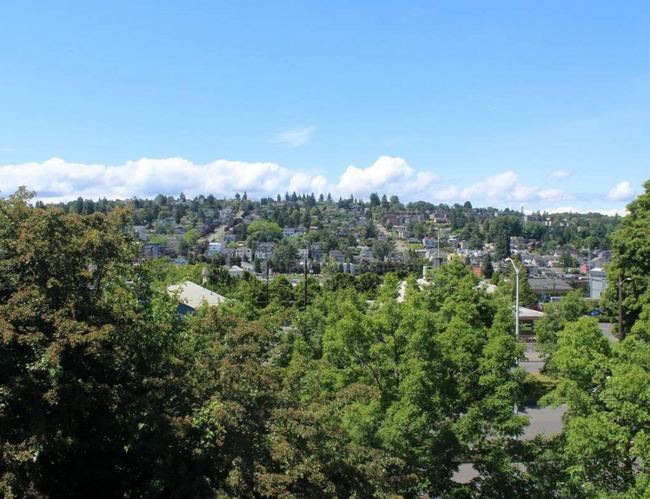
point(441, 101)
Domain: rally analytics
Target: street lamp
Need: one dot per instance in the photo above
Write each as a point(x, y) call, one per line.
point(516, 296)
point(516, 409)
point(621, 335)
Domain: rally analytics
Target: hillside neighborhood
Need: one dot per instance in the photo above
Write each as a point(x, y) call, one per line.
point(560, 252)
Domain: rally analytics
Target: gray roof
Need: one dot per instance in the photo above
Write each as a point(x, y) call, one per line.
point(193, 295)
point(529, 313)
point(544, 284)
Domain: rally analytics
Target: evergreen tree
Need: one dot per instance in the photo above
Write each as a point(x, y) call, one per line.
point(487, 269)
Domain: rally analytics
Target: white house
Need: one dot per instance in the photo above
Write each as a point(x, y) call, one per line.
point(366, 252)
point(235, 271)
point(244, 252)
point(214, 248)
point(191, 296)
point(597, 283)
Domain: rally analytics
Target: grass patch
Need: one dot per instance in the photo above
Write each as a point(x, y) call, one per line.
point(536, 386)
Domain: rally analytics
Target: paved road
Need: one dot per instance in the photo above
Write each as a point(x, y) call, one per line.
point(543, 420)
point(215, 236)
point(609, 330)
point(399, 244)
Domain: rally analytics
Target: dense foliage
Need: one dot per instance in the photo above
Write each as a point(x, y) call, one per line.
point(105, 392)
point(369, 387)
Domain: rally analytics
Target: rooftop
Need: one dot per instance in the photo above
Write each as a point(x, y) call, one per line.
point(193, 295)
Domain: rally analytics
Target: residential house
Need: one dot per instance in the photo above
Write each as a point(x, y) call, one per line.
point(226, 213)
point(366, 252)
point(152, 250)
point(191, 296)
point(173, 242)
point(215, 247)
point(317, 253)
point(235, 271)
point(140, 231)
point(430, 242)
point(337, 256)
point(244, 252)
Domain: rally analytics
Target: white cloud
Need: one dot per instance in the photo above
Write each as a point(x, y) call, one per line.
point(570, 209)
point(621, 192)
point(560, 174)
point(58, 180)
point(387, 174)
point(294, 137)
point(506, 189)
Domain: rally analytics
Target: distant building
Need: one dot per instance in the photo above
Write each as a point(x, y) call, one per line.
point(264, 251)
point(430, 242)
point(337, 256)
point(153, 250)
point(191, 296)
point(214, 248)
point(597, 283)
point(244, 252)
point(235, 271)
point(140, 231)
point(545, 286)
point(317, 254)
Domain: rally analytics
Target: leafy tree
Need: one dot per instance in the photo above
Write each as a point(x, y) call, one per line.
point(631, 259)
point(382, 249)
point(534, 230)
point(281, 291)
point(285, 258)
point(487, 269)
point(220, 281)
point(371, 230)
point(502, 245)
point(556, 317)
point(87, 363)
point(261, 230)
point(368, 284)
point(567, 261)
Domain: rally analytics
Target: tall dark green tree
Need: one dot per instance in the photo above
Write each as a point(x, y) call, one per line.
point(487, 269)
point(631, 259)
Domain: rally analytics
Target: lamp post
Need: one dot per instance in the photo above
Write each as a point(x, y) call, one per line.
point(516, 409)
point(621, 334)
point(516, 296)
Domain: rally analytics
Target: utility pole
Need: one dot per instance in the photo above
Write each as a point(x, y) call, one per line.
point(305, 298)
point(621, 333)
point(267, 282)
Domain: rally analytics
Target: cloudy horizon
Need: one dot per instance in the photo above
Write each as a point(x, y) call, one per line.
point(56, 180)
